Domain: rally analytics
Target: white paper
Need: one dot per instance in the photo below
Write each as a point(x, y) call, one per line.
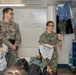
point(46, 51)
point(48, 45)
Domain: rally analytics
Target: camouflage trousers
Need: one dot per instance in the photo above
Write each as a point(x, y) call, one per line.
point(52, 63)
point(11, 58)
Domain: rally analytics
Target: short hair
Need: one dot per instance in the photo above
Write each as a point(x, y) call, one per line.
point(49, 22)
point(14, 70)
point(5, 10)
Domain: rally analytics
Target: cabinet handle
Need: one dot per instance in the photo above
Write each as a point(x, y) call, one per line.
point(73, 53)
point(73, 58)
point(73, 46)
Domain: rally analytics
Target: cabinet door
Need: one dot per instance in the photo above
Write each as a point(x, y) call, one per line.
point(74, 54)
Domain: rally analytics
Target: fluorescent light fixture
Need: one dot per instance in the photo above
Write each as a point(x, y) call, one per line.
point(12, 4)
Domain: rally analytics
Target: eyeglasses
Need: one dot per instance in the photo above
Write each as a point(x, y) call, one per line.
point(51, 25)
point(11, 14)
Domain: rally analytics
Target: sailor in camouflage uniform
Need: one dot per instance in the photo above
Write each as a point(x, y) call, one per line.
point(50, 37)
point(10, 35)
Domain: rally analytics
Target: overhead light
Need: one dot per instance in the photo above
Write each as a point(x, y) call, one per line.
point(12, 4)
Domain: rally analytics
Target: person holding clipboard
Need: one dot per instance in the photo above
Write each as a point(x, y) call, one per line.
point(50, 38)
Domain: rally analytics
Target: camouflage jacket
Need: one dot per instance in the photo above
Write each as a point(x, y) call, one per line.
point(51, 39)
point(10, 31)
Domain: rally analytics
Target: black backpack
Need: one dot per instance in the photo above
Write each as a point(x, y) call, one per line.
point(22, 63)
point(34, 69)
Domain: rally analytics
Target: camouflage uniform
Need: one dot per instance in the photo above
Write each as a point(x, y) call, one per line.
point(10, 31)
point(51, 39)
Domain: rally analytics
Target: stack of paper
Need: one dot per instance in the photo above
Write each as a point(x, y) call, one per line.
point(46, 51)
